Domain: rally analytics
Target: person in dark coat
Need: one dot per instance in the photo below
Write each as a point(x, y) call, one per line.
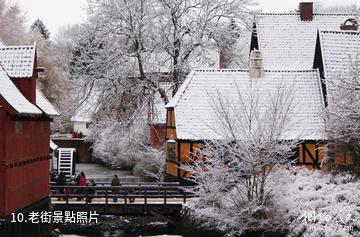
point(70, 190)
point(115, 182)
point(61, 181)
point(91, 190)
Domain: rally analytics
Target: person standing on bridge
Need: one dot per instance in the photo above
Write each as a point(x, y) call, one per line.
point(91, 189)
point(115, 182)
point(61, 181)
point(81, 181)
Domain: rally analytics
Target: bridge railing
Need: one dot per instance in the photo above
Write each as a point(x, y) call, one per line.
point(131, 183)
point(125, 192)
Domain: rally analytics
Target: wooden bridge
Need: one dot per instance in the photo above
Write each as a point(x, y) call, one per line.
point(132, 198)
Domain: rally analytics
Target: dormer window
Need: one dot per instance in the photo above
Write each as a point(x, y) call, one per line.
point(350, 24)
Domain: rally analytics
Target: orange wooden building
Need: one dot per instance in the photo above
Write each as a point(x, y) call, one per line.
point(191, 118)
point(288, 43)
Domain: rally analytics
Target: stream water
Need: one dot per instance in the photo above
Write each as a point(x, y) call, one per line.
point(118, 235)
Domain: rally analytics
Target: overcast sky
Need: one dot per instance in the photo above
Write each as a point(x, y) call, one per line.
point(56, 13)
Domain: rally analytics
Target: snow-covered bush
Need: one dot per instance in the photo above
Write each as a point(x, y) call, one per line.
point(303, 203)
point(313, 204)
point(151, 164)
point(117, 143)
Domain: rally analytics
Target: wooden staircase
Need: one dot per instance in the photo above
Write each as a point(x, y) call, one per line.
point(66, 161)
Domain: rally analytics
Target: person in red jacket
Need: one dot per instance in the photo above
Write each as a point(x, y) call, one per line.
point(81, 181)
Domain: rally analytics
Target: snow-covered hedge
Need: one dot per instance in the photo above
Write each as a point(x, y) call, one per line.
point(303, 203)
point(118, 144)
point(314, 204)
point(151, 164)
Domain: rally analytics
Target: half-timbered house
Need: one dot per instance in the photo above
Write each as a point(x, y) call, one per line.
point(336, 54)
point(288, 41)
point(191, 118)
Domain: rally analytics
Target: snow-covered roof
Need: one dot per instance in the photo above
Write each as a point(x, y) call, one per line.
point(18, 61)
point(159, 110)
point(14, 97)
point(196, 118)
point(288, 43)
point(338, 48)
point(2, 44)
point(45, 105)
point(53, 146)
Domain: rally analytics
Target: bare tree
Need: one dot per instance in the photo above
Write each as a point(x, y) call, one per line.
point(54, 81)
point(128, 47)
point(185, 26)
point(109, 59)
point(320, 7)
point(232, 173)
point(150, 37)
point(152, 163)
point(12, 24)
point(65, 40)
point(343, 112)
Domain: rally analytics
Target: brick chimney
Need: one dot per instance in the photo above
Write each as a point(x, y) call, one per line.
point(221, 60)
point(350, 24)
point(306, 11)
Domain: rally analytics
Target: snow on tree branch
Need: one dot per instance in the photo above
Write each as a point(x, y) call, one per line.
point(232, 173)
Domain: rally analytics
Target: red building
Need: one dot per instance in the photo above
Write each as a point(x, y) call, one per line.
point(157, 135)
point(157, 117)
point(25, 117)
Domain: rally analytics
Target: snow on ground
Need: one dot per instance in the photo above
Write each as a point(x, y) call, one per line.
point(303, 203)
point(314, 204)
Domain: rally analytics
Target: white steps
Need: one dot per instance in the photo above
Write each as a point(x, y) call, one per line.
point(66, 161)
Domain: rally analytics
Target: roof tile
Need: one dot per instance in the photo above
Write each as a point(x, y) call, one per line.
point(340, 51)
point(17, 61)
point(196, 118)
point(286, 42)
point(45, 105)
point(14, 97)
